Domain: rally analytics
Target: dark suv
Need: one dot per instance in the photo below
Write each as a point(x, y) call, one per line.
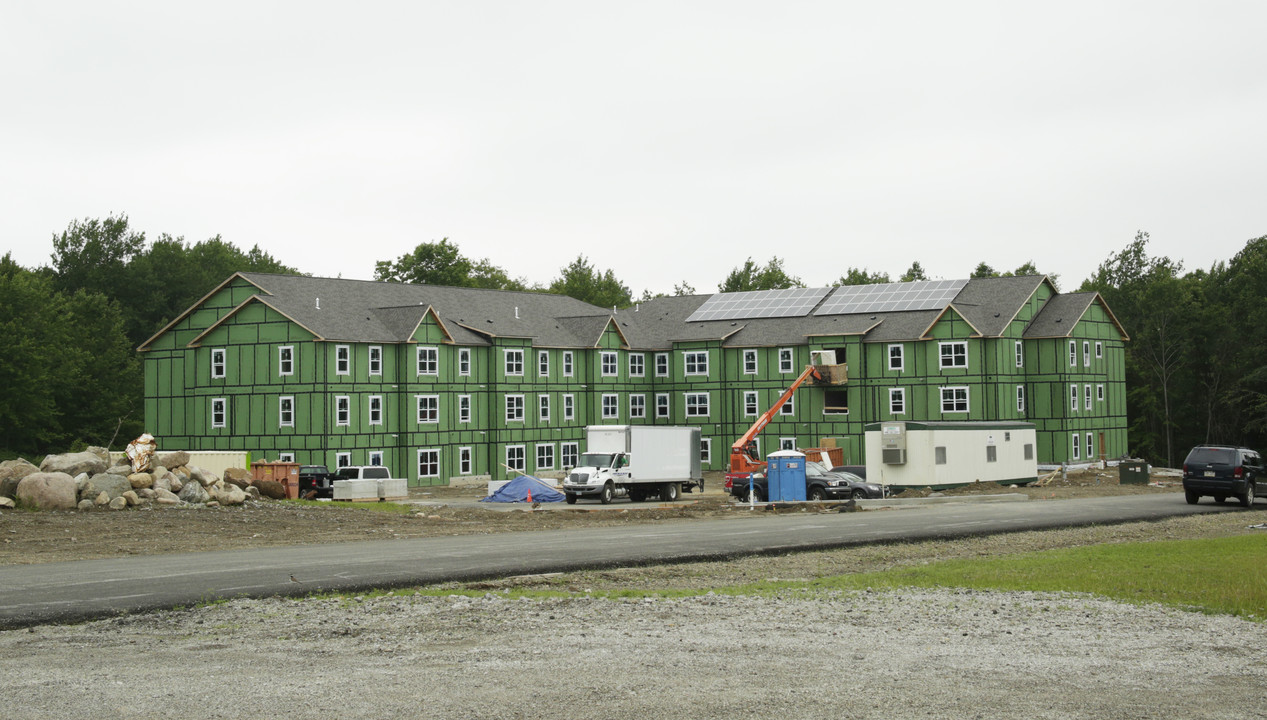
point(1222, 472)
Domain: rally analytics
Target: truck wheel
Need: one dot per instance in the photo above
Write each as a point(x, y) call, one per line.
point(570, 498)
point(1247, 500)
point(669, 492)
point(816, 493)
point(608, 493)
point(1191, 496)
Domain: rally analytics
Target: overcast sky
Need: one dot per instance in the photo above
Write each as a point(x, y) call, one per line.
point(668, 141)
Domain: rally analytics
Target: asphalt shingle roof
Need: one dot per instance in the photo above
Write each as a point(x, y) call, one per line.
point(1059, 315)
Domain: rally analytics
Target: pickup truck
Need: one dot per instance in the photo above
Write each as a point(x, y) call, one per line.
point(316, 479)
point(360, 483)
point(820, 484)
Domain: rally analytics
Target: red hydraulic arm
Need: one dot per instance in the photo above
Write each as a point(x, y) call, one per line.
point(743, 452)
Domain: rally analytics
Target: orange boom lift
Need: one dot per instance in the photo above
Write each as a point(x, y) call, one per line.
point(743, 453)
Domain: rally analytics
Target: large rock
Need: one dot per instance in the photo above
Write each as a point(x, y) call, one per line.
point(194, 493)
point(11, 473)
point(163, 497)
point(140, 480)
point(238, 476)
point(112, 485)
point(74, 463)
point(232, 495)
point(118, 503)
point(203, 477)
point(174, 459)
point(131, 497)
point(100, 452)
point(124, 470)
point(7, 502)
point(271, 489)
point(47, 491)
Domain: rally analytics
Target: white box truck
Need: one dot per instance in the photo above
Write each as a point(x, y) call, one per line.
point(636, 461)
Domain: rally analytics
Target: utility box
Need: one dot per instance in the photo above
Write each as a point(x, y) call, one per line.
point(949, 454)
point(785, 473)
point(1132, 473)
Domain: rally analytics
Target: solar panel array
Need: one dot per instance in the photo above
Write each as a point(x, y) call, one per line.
point(793, 302)
point(891, 297)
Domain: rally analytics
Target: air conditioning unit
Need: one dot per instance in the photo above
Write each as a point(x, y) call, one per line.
point(893, 443)
point(893, 456)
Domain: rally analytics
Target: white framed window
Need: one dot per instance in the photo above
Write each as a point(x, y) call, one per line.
point(428, 361)
point(789, 407)
point(219, 412)
point(1073, 398)
point(608, 366)
point(785, 360)
point(569, 453)
point(342, 360)
point(543, 363)
point(749, 362)
point(787, 443)
point(343, 410)
point(543, 408)
point(545, 456)
point(464, 408)
point(567, 363)
point(1090, 455)
point(428, 463)
point(465, 466)
point(464, 361)
point(661, 364)
point(217, 363)
point(637, 406)
point(611, 406)
point(569, 407)
point(954, 399)
point(286, 360)
point(1099, 349)
point(429, 408)
point(1076, 445)
point(750, 403)
point(1020, 399)
point(376, 409)
point(696, 404)
point(897, 401)
point(637, 365)
point(1086, 397)
point(514, 362)
point(662, 405)
point(515, 457)
point(1020, 354)
point(897, 357)
point(514, 408)
point(706, 451)
point(286, 411)
point(342, 460)
point(1073, 354)
point(1086, 353)
point(286, 457)
point(695, 363)
point(376, 360)
point(954, 354)
point(1099, 393)
point(376, 457)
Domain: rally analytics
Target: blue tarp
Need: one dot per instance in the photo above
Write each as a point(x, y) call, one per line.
point(517, 491)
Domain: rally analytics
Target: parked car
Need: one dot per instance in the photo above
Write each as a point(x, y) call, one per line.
point(316, 478)
point(1221, 471)
point(820, 484)
point(859, 470)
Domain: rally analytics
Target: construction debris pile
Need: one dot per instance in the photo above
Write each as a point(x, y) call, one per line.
point(87, 480)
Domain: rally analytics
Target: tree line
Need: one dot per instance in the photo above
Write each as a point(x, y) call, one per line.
point(73, 377)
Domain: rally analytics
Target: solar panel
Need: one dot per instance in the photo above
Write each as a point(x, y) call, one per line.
point(891, 297)
point(793, 302)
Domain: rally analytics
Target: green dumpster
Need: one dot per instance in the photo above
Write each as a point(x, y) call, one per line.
point(1132, 473)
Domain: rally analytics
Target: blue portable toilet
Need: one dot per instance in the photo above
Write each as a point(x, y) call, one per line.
point(785, 471)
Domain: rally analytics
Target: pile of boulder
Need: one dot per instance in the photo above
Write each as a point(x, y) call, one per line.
point(88, 480)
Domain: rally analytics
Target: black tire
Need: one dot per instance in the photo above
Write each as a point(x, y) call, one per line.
point(669, 492)
point(858, 494)
point(1247, 499)
point(1191, 496)
point(570, 498)
point(608, 493)
point(1220, 498)
point(816, 493)
point(636, 496)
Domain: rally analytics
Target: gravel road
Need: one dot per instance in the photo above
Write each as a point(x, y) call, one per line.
point(939, 654)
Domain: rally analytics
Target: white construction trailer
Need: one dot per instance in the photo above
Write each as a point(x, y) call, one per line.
point(950, 454)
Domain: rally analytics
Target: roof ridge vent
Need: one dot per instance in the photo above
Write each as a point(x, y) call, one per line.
point(318, 303)
point(516, 312)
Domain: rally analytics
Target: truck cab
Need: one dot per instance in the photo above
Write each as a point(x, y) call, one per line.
point(597, 474)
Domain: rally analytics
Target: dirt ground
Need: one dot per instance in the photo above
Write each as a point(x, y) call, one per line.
point(39, 537)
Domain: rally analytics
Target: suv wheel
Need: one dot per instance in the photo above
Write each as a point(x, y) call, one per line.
point(1191, 496)
point(1247, 500)
point(816, 493)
